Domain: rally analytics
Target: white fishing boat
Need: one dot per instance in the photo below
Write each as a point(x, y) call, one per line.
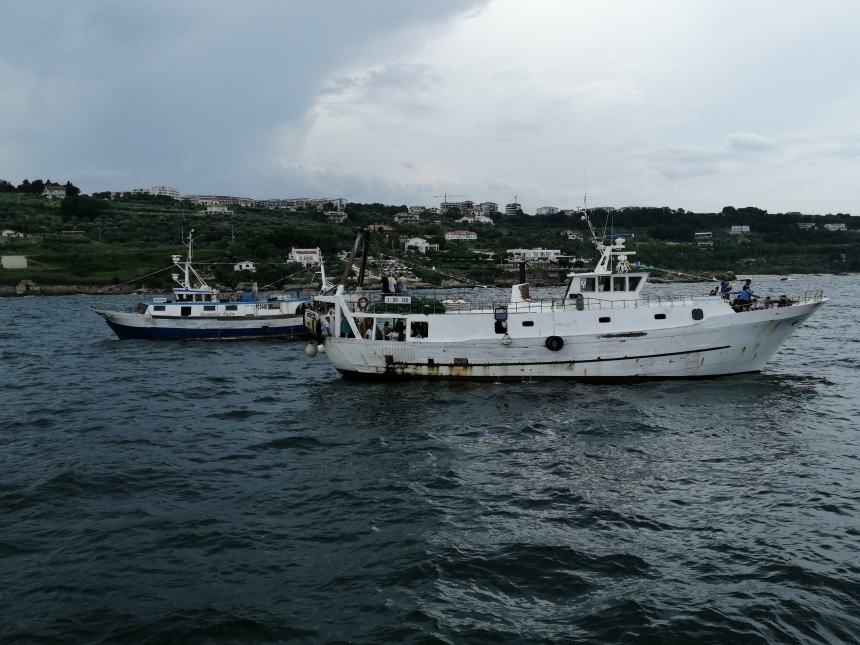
point(198, 311)
point(602, 327)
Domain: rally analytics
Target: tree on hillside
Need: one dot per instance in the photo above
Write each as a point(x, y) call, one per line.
point(6, 187)
point(81, 207)
point(729, 210)
point(37, 186)
point(72, 190)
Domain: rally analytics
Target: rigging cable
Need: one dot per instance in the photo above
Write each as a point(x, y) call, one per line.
point(434, 269)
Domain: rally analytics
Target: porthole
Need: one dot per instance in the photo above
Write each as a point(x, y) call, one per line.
point(603, 319)
point(659, 316)
point(698, 314)
point(528, 323)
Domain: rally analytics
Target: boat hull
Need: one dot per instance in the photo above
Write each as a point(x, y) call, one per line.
point(721, 345)
point(128, 326)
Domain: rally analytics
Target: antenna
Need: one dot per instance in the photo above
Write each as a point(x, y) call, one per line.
point(584, 191)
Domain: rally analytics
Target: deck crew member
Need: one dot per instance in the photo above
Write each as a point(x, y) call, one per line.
point(402, 288)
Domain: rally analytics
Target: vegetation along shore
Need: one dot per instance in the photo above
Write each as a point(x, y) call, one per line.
point(96, 244)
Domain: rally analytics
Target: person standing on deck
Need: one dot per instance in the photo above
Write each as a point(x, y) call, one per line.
point(402, 288)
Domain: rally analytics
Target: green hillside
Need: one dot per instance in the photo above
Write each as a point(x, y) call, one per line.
point(86, 240)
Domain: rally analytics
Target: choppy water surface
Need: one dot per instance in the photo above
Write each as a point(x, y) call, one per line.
point(239, 492)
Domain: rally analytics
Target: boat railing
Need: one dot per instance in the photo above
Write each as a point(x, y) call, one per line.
point(435, 302)
point(119, 301)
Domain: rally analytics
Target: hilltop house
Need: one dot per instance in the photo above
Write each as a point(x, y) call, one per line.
point(305, 257)
point(247, 265)
point(216, 209)
point(419, 244)
point(460, 234)
point(54, 191)
point(742, 229)
point(8, 232)
point(705, 239)
point(546, 255)
point(836, 227)
point(407, 218)
point(335, 217)
point(475, 219)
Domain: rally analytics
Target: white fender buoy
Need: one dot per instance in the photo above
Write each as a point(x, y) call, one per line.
point(311, 350)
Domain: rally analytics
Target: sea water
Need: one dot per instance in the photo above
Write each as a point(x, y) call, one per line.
point(240, 492)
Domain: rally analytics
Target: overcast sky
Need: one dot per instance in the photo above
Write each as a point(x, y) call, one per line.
point(693, 105)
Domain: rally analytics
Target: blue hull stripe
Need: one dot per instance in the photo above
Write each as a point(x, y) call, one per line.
point(172, 333)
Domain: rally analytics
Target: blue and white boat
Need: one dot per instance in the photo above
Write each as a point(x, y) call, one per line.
point(197, 311)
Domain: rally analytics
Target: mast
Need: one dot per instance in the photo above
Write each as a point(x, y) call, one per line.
point(360, 242)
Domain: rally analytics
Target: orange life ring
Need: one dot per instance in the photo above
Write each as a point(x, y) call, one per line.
point(362, 303)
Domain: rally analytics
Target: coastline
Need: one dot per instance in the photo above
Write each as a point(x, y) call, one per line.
point(32, 289)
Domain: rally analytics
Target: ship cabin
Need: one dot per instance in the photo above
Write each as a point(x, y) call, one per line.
point(195, 295)
point(606, 283)
point(611, 286)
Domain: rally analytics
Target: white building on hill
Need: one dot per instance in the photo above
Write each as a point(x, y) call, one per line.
point(54, 191)
point(476, 219)
point(407, 218)
point(335, 217)
point(158, 191)
point(513, 208)
point(217, 209)
point(546, 255)
point(460, 234)
point(305, 257)
point(419, 244)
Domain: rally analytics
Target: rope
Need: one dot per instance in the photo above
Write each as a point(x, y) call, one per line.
point(271, 284)
point(434, 269)
point(692, 275)
point(140, 277)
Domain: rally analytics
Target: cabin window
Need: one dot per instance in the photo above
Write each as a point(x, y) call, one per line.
point(604, 283)
point(418, 330)
point(231, 307)
point(208, 307)
point(698, 314)
point(158, 307)
point(185, 311)
point(604, 319)
point(198, 297)
point(588, 284)
point(528, 323)
point(634, 281)
point(275, 306)
point(659, 316)
point(619, 283)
